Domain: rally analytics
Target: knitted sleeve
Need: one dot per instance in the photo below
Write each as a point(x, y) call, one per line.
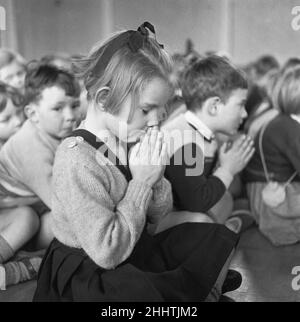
point(106, 230)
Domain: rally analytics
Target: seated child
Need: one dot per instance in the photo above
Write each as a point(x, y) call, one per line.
point(272, 176)
point(264, 110)
point(215, 93)
point(26, 159)
point(102, 203)
point(12, 69)
point(11, 112)
point(11, 119)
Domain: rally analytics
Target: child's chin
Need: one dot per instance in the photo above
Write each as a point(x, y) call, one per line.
point(232, 131)
point(64, 135)
point(229, 132)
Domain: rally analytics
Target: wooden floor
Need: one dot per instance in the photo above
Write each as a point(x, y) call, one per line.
point(266, 270)
point(266, 273)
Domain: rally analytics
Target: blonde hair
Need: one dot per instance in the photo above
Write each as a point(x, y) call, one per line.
point(127, 71)
point(288, 96)
point(8, 56)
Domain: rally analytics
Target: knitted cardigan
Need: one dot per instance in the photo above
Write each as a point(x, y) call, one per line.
point(95, 208)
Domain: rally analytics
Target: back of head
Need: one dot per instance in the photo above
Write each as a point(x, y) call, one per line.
point(291, 62)
point(57, 60)
point(124, 63)
point(41, 76)
point(9, 93)
point(288, 96)
point(209, 77)
point(264, 64)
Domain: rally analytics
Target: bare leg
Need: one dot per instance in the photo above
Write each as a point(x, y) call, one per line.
point(18, 225)
point(44, 235)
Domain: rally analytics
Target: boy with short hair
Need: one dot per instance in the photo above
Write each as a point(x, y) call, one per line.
point(215, 93)
point(26, 159)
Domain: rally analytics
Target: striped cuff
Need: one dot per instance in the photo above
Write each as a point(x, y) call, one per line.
point(159, 185)
point(225, 176)
point(2, 278)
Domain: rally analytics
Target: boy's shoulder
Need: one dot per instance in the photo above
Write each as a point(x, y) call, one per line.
point(178, 134)
point(28, 141)
point(177, 123)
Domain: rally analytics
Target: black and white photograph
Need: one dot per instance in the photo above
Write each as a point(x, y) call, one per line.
point(149, 154)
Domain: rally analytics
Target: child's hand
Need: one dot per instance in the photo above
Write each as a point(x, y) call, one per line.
point(148, 158)
point(237, 156)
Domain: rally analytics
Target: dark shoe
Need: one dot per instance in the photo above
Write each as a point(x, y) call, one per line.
point(247, 220)
point(232, 282)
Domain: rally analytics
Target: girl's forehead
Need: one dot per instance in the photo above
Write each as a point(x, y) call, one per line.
point(155, 92)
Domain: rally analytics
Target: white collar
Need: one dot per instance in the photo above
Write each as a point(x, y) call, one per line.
point(295, 117)
point(202, 128)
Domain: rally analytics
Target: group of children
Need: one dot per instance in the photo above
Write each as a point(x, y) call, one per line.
point(133, 200)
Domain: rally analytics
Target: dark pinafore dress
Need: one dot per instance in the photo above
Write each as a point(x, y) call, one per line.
point(179, 264)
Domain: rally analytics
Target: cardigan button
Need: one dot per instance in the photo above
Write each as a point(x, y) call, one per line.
point(79, 139)
point(72, 144)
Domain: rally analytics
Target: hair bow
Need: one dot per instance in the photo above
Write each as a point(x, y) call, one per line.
point(133, 39)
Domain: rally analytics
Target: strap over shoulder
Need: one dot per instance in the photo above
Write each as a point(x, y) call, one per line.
point(96, 143)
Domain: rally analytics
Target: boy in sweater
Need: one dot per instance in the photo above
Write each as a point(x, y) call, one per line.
point(215, 93)
point(26, 161)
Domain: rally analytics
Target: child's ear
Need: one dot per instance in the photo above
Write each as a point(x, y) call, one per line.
point(213, 105)
point(31, 113)
point(101, 96)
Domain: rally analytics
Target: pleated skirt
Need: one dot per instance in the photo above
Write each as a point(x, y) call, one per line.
point(180, 264)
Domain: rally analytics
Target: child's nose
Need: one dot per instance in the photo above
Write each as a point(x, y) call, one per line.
point(156, 116)
point(69, 113)
point(244, 113)
point(153, 119)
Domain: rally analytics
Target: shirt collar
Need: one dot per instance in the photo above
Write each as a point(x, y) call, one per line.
point(202, 128)
point(295, 117)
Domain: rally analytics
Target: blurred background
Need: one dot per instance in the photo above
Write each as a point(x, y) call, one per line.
point(245, 29)
point(261, 36)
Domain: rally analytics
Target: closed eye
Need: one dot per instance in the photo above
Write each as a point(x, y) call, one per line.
point(5, 120)
point(57, 108)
